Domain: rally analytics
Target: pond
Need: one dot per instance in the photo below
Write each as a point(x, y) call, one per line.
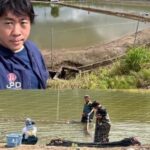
point(57, 113)
point(136, 7)
point(58, 27)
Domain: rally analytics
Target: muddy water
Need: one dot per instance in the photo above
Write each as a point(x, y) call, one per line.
point(71, 28)
point(57, 113)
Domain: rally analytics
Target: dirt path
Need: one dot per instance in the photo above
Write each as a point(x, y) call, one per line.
point(83, 56)
point(42, 147)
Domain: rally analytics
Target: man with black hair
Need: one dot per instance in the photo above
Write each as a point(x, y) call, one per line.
point(21, 63)
point(86, 115)
point(103, 125)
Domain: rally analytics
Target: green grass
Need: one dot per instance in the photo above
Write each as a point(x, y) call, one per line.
point(131, 72)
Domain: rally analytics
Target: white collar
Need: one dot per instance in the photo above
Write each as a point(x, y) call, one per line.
point(19, 50)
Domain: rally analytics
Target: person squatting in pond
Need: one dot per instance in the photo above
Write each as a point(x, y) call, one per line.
point(87, 115)
point(103, 124)
point(21, 63)
point(29, 132)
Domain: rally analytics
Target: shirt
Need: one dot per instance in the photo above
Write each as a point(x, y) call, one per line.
point(14, 68)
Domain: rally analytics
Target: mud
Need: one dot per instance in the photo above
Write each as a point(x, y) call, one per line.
point(43, 147)
point(83, 56)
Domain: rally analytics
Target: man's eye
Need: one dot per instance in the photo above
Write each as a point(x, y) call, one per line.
point(8, 23)
point(24, 22)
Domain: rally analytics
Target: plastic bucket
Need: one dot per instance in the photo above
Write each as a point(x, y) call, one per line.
point(13, 139)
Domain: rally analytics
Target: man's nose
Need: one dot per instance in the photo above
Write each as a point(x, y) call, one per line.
point(16, 30)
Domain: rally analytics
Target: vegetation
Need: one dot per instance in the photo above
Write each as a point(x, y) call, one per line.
point(133, 71)
point(55, 11)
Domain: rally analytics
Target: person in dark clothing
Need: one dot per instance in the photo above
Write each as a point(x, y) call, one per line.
point(96, 105)
point(103, 124)
point(87, 115)
point(102, 127)
point(21, 63)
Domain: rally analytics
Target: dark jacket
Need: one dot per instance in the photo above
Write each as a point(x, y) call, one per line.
point(86, 110)
point(102, 127)
point(12, 67)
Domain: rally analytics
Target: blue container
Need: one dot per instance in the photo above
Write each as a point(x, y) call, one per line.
point(13, 139)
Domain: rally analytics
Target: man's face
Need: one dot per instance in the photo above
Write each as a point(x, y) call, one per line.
point(86, 99)
point(14, 30)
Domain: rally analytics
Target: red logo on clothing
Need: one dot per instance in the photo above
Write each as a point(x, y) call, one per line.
point(11, 77)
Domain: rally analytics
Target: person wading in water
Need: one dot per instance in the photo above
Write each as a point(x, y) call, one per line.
point(103, 124)
point(86, 115)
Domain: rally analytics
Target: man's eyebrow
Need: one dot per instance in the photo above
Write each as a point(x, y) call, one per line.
point(11, 19)
point(8, 18)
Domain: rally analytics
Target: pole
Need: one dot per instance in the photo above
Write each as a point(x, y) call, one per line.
point(136, 32)
point(58, 99)
point(51, 47)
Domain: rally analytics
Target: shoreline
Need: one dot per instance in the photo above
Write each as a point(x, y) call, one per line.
point(77, 57)
point(43, 147)
point(127, 2)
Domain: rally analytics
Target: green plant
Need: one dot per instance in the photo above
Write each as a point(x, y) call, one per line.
point(135, 58)
point(133, 71)
point(122, 82)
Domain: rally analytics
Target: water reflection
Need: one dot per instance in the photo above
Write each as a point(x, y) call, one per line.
point(76, 132)
point(55, 11)
point(129, 112)
point(77, 28)
point(121, 7)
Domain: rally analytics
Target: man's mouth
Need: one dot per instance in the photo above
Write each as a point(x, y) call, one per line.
point(17, 41)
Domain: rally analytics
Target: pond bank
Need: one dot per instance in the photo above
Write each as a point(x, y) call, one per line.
point(42, 147)
point(83, 56)
point(133, 16)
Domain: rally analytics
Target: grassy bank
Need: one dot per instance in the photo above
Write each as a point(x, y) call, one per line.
point(133, 71)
